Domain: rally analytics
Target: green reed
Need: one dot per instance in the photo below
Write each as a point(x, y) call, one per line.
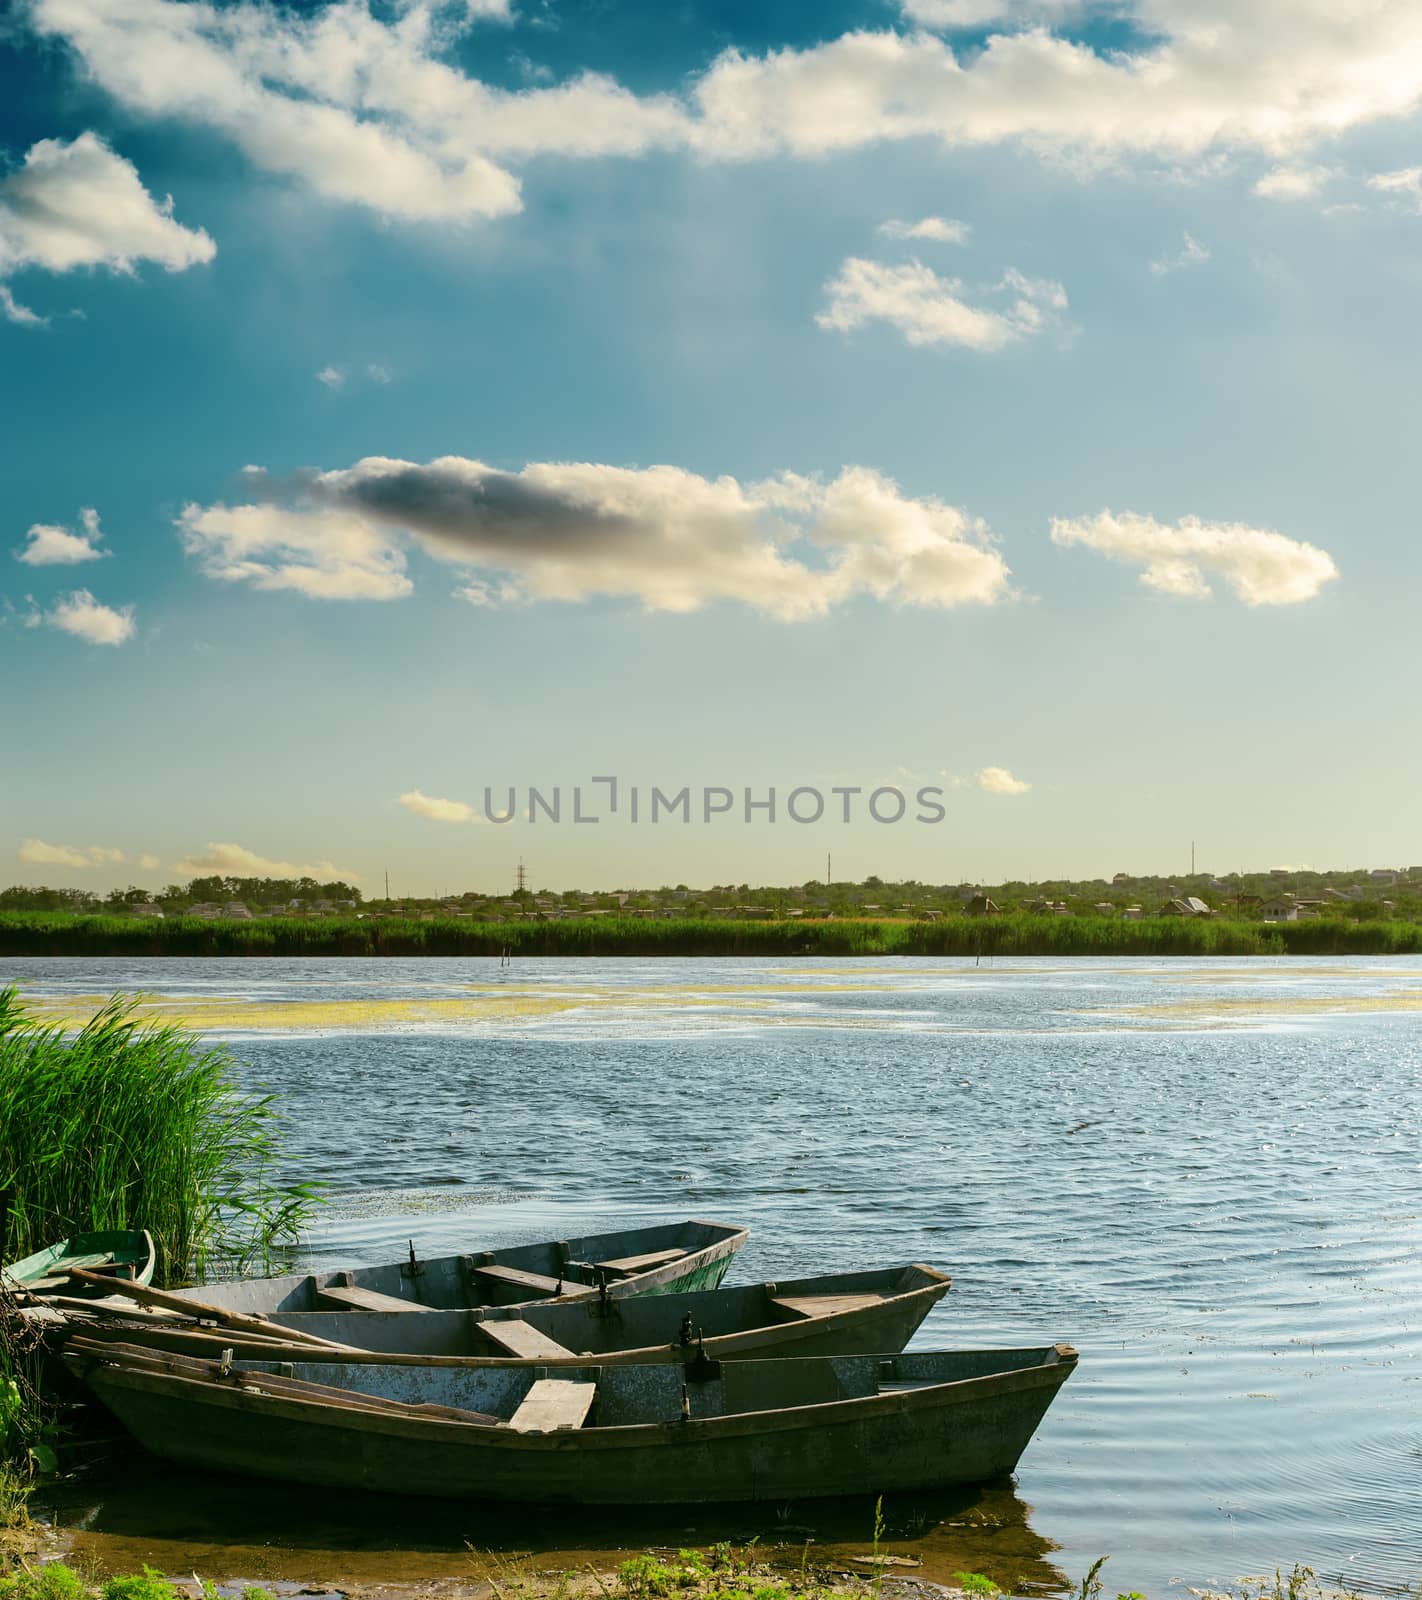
point(1011, 934)
point(126, 1124)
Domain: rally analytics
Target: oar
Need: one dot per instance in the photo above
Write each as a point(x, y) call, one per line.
point(198, 1308)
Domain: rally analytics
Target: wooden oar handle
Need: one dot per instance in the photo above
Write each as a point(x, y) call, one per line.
point(198, 1308)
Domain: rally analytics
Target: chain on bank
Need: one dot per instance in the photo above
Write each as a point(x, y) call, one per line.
point(605, 799)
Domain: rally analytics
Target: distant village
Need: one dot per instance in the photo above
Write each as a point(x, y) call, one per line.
point(1280, 895)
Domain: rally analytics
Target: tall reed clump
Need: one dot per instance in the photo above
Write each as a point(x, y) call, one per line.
point(137, 1125)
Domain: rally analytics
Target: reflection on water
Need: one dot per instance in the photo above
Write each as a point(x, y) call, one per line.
point(182, 1522)
point(1205, 1175)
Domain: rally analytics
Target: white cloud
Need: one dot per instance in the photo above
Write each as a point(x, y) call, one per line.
point(998, 780)
point(1259, 566)
point(1191, 254)
point(332, 377)
point(51, 546)
point(371, 110)
point(942, 230)
point(14, 312)
point(80, 205)
point(235, 860)
point(327, 555)
point(1406, 182)
point(149, 863)
point(428, 805)
point(36, 853)
point(928, 309)
point(1293, 182)
point(377, 373)
point(790, 547)
point(83, 616)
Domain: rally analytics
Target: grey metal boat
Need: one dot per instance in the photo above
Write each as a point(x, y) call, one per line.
point(609, 1435)
point(844, 1313)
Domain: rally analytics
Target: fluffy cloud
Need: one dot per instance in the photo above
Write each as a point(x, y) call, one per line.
point(428, 805)
point(791, 547)
point(235, 860)
point(80, 205)
point(1292, 182)
point(332, 377)
point(51, 546)
point(942, 230)
point(1259, 566)
point(83, 616)
point(928, 309)
point(149, 863)
point(998, 780)
point(1191, 254)
point(36, 853)
point(370, 110)
point(328, 555)
point(1406, 183)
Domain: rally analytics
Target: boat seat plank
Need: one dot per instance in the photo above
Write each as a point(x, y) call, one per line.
point(516, 1337)
point(907, 1385)
point(825, 1305)
point(530, 1283)
point(653, 1258)
point(553, 1403)
point(348, 1297)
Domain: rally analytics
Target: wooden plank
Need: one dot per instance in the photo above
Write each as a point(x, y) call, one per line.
point(826, 1305)
point(530, 1283)
point(653, 1258)
point(516, 1337)
point(553, 1403)
point(351, 1298)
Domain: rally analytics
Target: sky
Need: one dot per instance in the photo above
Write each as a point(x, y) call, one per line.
point(1008, 405)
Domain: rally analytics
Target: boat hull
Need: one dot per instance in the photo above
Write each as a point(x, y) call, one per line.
point(702, 1252)
point(923, 1435)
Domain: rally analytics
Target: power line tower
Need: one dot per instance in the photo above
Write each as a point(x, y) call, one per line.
point(521, 883)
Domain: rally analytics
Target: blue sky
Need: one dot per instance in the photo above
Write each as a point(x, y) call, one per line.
point(1012, 398)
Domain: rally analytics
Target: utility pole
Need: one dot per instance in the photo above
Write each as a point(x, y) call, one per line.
point(387, 883)
point(1192, 858)
point(829, 874)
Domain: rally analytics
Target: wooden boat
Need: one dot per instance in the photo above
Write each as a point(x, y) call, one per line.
point(658, 1260)
point(124, 1256)
point(592, 1435)
point(845, 1313)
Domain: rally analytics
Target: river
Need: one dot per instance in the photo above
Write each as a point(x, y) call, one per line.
point(1206, 1175)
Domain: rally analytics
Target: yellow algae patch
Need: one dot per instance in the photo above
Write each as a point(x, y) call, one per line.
point(223, 1015)
point(228, 1014)
point(1288, 974)
point(1267, 1005)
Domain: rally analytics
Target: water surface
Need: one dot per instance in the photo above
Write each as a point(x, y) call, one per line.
point(1204, 1174)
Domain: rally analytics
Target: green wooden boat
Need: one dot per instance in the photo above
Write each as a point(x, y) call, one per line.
point(124, 1256)
point(593, 1435)
point(665, 1259)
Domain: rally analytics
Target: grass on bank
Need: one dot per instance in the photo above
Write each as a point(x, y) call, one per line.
point(36, 933)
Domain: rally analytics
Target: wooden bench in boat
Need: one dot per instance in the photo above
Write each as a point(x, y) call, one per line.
point(528, 1284)
point(349, 1297)
point(625, 1266)
point(553, 1403)
point(825, 1305)
point(516, 1337)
